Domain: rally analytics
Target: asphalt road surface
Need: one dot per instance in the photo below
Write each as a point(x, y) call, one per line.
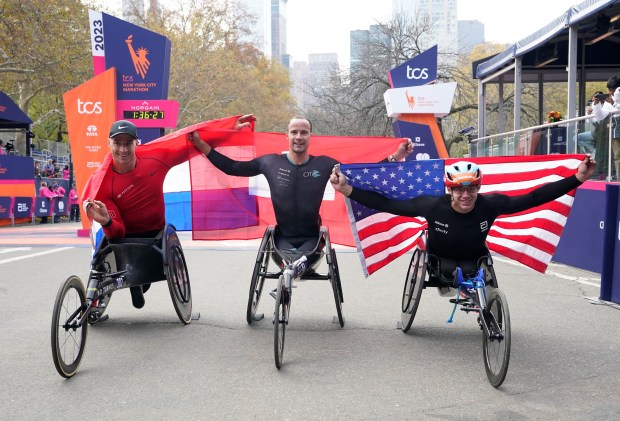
point(143, 364)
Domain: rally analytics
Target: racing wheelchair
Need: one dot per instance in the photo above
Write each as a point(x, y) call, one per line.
point(479, 294)
point(290, 267)
point(116, 264)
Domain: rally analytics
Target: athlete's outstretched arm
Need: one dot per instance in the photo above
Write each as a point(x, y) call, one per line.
point(242, 122)
point(551, 191)
point(222, 162)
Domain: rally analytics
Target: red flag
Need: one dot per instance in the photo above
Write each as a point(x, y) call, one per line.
point(226, 207)
point(529, 237)
point(224, 128)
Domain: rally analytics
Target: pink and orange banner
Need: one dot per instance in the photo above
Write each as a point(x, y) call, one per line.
point(90, 109)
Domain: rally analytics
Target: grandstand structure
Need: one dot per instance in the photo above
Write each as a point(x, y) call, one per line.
point(577, 47)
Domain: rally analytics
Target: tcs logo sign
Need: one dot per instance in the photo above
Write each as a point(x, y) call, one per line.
point(88, 107)
point(417, 73)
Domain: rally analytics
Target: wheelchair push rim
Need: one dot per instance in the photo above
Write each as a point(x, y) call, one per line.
point(334, 277)
point(412, 291)
point(256, 285)
point(496, 344)
point(69, 327)
point(178, 282)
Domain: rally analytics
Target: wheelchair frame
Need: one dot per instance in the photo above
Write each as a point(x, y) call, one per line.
point(479, 294)
point(289, 272)
point(266, 254)
point(76, 308)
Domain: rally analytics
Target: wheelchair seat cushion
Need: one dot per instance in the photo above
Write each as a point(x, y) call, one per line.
point(287, 250)
point(442, 270)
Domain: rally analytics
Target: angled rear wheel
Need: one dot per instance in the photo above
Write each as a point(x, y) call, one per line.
point(496, 345)
point(258, 281)
point(178, 279)
point(414, 285)
point(334, 278)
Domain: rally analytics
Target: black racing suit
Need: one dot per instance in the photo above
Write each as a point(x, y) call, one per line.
point(459, 239)
point(296, 193)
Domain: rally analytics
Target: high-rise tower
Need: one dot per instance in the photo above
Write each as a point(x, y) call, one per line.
point(441, 14)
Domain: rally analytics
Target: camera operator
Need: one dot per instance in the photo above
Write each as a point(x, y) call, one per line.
point(602, 105)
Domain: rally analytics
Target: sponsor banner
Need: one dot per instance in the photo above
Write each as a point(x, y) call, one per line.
point(422, 138)
point(5, 207)
point(141, 57)
point(42, 206)
point(432, 99)
point(16, 175)
point(22, 207)
point(148, 113)
point(420, 70)
point(61, 206)
point(419, 125)
point(581, 243)
point(96, 41)
point(90, 109)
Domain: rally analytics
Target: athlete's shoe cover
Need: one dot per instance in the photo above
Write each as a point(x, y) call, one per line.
point(137, 298)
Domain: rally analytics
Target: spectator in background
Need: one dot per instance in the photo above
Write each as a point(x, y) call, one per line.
point(74, 205)
point(60, 193)
point(602, 109)
point(65, 172)
point(59, 189)
point(48, 168)
point(2, 151)
point(586, 141)
point(47, 192)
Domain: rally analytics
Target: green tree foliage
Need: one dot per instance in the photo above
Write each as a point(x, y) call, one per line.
point(44, 51)
point(215, 70)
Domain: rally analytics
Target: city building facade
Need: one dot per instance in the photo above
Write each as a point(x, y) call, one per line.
point(441, 14)
point(471, 33)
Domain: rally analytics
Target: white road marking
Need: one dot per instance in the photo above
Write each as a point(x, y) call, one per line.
point(578, 279)
point(14, 249)
point(27, 256)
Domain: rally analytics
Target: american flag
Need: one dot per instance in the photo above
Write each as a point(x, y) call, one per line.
point(529, 237)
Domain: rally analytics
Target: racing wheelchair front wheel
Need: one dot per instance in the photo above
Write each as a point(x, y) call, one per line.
point(280, 320)
point(414, 285)
point(69, 328)
point(496, 344)
point(178, 280)
point(334, 278)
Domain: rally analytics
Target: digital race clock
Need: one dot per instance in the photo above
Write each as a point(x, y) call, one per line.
point(143, 115)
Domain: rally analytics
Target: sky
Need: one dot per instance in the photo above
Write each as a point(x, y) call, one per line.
point(323, 26)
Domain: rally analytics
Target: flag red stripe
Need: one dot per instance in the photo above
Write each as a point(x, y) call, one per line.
point(390, 242)
point(530, 240)
point(519, 257)
point(550, 226)
point(554, 206)
point(376, 266)
point(383, 226)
